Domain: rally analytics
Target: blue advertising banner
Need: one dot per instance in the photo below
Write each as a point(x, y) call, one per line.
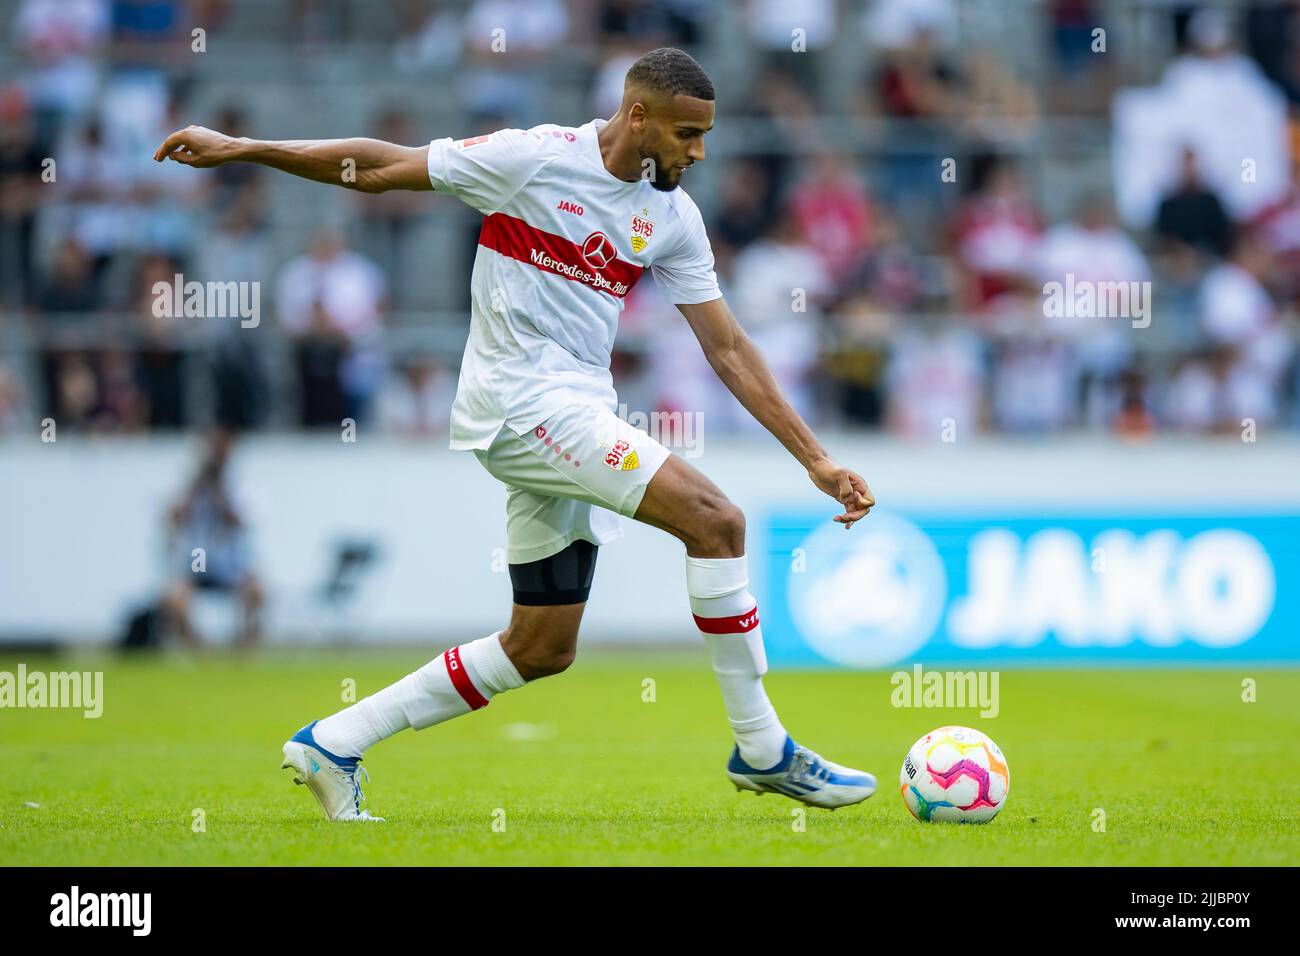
point(1041, 589)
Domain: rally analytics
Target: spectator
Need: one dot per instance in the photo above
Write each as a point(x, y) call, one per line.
point(416, 399)
point(744, 209)
point(1240, 318)
point(1278, 227)
point(935, 376)
point(834, 213)
point(995, 236)
point(21, 166)
point(508, 76)
point(60, 39)
point(209, 519)
point(15, 416)
point(792, 37)
point(778, 290)
point(389, 218)
point(1192, 213)
point(329, 301)
point(98, 180)
point(1093, 249)
point(160, 357)
point(651, 23)
point(428, 38)
point(1072, 23)
point(70, 289)
point(1214, 392)
point(1035, 383)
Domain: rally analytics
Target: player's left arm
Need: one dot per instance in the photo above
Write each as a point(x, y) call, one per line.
point(745, 372)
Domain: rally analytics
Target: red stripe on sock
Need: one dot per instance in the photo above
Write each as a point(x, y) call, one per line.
point(739, 624)
point(460, 680)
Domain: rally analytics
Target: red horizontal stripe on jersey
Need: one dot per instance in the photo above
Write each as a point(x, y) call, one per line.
point(511, 236)
point(460, 680)
point(739, 624)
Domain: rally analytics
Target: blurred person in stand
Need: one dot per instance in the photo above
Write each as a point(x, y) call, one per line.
point(510, 77)
point(1253, 344)
point(330, 301)
point(834, 214)
point(69, 290)
point(15, 415)
point(208, 547)
point(429, 36)
point(160, 340)
point(1192, 213)
point(934, 379)
point(872, 306)
point(416, 398)
point(652, 23)
point(743, 213)
point(1092, 249)
point(1132, 417)
point(1278, 227)
point(387, 218)
point(1034, 375)
point(994, 237)
point(97, 196)
point(788, 113)
point(998, 106)
point(780, 287)
point(21, 166)
point(1213, 392)
point(793, 38)
point(915, 79)
point(60, 40)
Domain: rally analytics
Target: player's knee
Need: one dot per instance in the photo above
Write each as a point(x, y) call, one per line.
point(535, 658)
point(538, 662)
point(557, 660)
point(719, 529)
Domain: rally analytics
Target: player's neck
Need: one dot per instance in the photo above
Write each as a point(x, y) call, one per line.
point(621, 159)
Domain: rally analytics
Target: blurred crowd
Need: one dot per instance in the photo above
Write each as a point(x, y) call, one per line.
point(885, 229)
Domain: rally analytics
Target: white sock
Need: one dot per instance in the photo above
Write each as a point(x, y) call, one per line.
point(727, 615)
point(462, 679)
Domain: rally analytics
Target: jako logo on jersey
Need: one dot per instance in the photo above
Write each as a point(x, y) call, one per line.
point(642, 230)
point(598, 251)
point(621, 457)
point(473, 141)
point(566, 206)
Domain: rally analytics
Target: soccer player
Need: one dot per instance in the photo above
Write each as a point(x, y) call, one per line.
point(572, 218)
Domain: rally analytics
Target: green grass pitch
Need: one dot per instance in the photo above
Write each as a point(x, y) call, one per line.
point(579, 769)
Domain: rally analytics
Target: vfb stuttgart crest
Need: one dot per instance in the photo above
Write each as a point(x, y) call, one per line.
point(642, 230)
point(597, 250)
point(621, 456)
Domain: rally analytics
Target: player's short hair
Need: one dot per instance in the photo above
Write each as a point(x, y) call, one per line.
point(670, 72)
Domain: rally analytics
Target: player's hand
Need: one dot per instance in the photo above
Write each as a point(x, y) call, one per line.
point(197, 146)
point(845, 486)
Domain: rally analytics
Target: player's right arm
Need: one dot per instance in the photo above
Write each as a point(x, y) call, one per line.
point(366, 165)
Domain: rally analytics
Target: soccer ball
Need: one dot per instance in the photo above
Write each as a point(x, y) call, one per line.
point(955, 774)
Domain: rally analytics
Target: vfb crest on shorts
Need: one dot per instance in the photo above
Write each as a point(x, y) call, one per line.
point(642, 230)
point(621, 457)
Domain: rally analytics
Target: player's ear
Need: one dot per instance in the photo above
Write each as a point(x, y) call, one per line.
point(636, 115)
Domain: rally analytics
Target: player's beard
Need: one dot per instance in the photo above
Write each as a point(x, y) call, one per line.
point(660, 181)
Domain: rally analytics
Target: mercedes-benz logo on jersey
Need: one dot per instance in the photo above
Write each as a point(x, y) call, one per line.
point(598, 251)
point(870, 597)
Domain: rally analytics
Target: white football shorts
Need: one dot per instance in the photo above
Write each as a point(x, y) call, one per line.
point(569, 478)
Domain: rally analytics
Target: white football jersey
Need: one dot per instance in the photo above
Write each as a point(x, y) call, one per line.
point(563, 241)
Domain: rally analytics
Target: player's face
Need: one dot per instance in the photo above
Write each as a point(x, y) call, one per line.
point(672, 137)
